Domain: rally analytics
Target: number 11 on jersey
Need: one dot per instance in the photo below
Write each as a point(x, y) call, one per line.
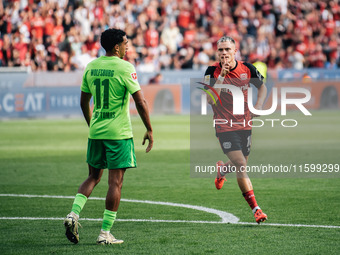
point(97, 83)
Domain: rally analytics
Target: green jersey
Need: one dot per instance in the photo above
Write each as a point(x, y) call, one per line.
point(110, 80)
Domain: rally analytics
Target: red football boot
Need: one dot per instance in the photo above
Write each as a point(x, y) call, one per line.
point(260, 216)
point(219, 181)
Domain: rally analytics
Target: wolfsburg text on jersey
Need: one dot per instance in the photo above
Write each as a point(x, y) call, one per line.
point(102, 72)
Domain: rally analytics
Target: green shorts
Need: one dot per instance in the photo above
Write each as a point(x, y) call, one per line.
point(111, 154)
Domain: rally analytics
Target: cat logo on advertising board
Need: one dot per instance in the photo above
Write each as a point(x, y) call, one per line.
point(134, 76)
point(21, 102)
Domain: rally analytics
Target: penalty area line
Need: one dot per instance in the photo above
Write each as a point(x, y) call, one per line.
point(177, 221)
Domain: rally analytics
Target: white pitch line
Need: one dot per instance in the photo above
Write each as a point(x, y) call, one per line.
point(287, 225)
point(224, 215)
point(177, 221)
point(122, 220)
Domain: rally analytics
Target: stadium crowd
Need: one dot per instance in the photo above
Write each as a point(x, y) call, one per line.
point(172, 34)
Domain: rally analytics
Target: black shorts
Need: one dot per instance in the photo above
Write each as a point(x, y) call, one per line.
point(235, 141)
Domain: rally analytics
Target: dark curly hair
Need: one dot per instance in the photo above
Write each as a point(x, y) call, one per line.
point(111, 37)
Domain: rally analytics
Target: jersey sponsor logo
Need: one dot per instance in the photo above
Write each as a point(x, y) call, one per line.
point(207, 78)
point(227, 145)
point(243, 76)
point(212, 89)
point(134, 76)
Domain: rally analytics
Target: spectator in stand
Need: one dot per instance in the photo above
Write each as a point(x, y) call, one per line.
point(151, 36)
point(317, 58)
point(81, 61)
point(185, 59)
point(37, 24)
point(184, 16)
point(272, 59)
point(21, 46)
point(171, 37)
point(272, 28)
point(189, 34)
point(7, 50)
point(296, 58)
point(157, 79)
point(83, 16)
point(331, 64)
point(165, 59)
point(49, 24)
point(67, 22)
point(204, 56)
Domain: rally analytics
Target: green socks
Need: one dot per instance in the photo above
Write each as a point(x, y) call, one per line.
point(109, 216)
point(108, 219)
point(78, 203)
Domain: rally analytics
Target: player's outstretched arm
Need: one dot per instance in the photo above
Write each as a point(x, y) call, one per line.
point(143, 111)
point(85, 99)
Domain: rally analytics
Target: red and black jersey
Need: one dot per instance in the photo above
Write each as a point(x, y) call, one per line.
point(240, 76)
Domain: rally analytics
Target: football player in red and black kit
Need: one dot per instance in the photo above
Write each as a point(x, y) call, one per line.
point(234, 133)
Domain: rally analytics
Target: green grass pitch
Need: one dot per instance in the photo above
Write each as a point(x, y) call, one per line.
point(47, 157)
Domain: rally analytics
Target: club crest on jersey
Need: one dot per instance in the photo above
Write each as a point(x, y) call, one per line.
point(243, 76)
point(134, 76)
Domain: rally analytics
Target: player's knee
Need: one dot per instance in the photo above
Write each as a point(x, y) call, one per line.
point(95, 178)
point(98, 180)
